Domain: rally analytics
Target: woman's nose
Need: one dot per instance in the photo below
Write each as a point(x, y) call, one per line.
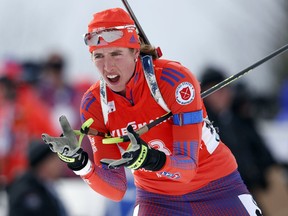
point(108, 64)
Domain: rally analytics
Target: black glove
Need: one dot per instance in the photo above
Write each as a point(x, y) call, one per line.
point(138, 155)
point(77, 162)
point(67, 145)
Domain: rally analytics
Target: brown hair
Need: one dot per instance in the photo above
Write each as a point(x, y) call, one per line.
point(146, 49)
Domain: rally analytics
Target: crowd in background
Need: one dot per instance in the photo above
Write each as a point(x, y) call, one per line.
point(235, 113)
point(33, 95)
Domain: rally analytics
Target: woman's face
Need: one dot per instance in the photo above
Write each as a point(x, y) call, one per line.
point(116, 65)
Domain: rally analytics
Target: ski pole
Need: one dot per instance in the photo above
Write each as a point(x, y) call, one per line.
point(243, 72)
point(206, 93)
point(138, 26)
point(141, 32)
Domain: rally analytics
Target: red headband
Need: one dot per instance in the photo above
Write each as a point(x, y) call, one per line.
point(112, 18)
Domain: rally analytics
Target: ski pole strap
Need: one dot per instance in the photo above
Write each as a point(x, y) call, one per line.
point(147, 63)
point(188, 118)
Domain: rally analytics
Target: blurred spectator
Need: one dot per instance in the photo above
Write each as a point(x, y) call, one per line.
point(23, 117)
point(283, 103)
point(80, 88)
point(62, 97)
point(56, 92)
point(31, 73)
point(33, 193)
point(7, 96)
point(242, 108)
point(230, 109)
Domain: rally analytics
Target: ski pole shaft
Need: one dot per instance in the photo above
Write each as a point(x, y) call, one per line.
point(204, 94)
point(140, 30)
point(243, 72)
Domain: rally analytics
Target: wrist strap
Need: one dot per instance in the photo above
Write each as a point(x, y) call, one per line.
point(85, 170)
point(141, 158)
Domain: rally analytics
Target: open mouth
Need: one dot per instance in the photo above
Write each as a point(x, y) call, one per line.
point(113, 78)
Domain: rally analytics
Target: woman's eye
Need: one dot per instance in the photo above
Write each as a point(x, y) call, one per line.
point(96, 56)
point(116, 54)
